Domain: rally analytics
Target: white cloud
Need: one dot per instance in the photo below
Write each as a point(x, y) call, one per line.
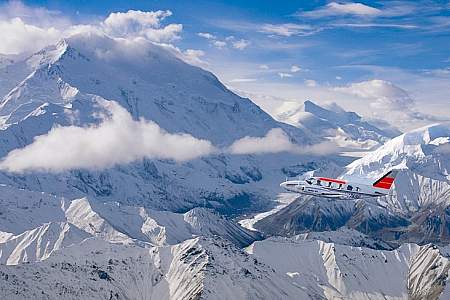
point(219, 44)
point(132, 21)
point(284, 75)
point(117, 140)
point(20, 24)
point(206, 35)
point(241, 44)
point(310, 83)
point(16, 36)
point(142, 23)
point(264, 67)
point(276, 141)
point(168, 33)
point(288, 29)
point(194, 57)
point(295, 69)
point(384, 94)
point(37, 16)
point(337, 9)
point(338, 77)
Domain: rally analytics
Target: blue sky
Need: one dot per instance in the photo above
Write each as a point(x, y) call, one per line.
point(298, 50)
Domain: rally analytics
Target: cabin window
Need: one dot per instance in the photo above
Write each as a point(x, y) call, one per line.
point(358, 189)
point(349, 187)
point(329, 184)
point(318, 182)
point(340, 186)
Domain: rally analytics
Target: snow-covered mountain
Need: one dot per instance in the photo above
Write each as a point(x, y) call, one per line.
point(205, 268)
point(332, 271)
point(416, 210)
point(63, 85)
point(347, 129)
point(33, 225)
point(423, 155)
point(200, 268)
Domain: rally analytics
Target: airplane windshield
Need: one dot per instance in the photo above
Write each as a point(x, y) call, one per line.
point(309, 181)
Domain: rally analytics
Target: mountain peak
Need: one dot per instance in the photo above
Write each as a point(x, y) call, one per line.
point(422, 150)
point(339, 117)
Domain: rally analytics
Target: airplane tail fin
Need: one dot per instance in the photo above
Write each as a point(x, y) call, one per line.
point(386, 181)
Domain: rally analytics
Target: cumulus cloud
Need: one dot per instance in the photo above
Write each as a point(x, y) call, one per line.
point(219, 44)
point(26, 29)
point(142, 23)
point(338, 9)
point(386, 98)
point(17, 36)
point(264, 67)
point(276, 141)
point(241, 44)
point(384, 93)
point(206, 35)
point(123, 23)
point(194, 57)
point(118, 139)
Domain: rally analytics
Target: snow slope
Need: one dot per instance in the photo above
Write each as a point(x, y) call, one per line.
point(343, 272)
point(195, 269)
point(33, 225)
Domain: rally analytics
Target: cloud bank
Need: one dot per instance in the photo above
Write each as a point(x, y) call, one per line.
point(118, 139)
point(276, 141)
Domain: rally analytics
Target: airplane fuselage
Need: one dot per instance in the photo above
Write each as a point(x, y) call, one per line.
point(332, 188)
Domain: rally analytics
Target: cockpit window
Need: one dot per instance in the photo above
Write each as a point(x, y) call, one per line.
point(309, 181)
point(349, 187)
point(318, 182)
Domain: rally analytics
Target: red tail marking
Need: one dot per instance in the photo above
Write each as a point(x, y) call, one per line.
point(386, 181)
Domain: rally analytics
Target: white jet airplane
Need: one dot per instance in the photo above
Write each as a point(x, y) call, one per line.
point(341, 189)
